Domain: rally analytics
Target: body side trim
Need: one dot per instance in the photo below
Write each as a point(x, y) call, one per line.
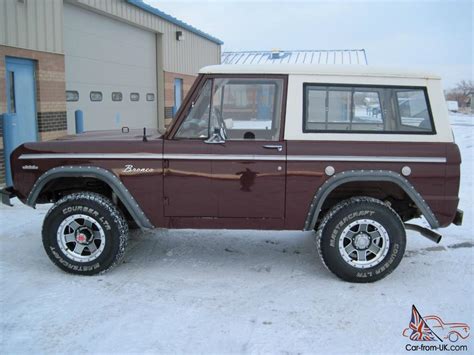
point(238, 157)
point(366, 175)
point(102, 174)
point(92, 156)
point(363, 158)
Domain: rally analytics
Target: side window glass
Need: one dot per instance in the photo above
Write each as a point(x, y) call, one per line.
point(315, 108)
point(413, 110)
point(342, 109)
point(196, 123)
point(247, 108)
point(367, 111)
point(339, 109)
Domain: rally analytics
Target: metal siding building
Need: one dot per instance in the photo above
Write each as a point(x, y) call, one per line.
point(88, 47)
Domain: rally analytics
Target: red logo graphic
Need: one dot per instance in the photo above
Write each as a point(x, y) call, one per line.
point(423, 328)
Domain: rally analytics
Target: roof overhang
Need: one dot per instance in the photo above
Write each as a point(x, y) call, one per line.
point(153, 10)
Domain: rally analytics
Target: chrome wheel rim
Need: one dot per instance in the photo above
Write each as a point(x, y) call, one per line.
point(364, 243)
point(81, 238)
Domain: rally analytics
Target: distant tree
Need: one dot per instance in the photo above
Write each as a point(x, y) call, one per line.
point(461, 93)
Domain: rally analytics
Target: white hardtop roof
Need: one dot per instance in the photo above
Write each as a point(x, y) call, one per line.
point(308, 69)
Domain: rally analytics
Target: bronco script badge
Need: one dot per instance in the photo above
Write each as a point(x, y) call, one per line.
point(129, 168)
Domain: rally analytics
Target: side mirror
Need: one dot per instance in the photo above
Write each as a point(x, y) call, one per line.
point(216, 137)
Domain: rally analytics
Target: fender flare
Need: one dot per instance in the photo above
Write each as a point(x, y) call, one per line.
point(95, 172)
point(366, 175)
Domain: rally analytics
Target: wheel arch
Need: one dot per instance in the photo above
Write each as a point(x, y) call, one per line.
point(345, 177)
point(104, 175)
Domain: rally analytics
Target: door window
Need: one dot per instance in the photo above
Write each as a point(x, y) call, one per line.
point(196, 123)
point(247, 108)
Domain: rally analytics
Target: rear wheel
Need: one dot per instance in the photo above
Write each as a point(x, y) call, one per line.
point(84, 233)
point(361, 240)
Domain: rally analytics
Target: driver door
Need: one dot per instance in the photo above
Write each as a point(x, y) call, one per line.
point(187, 176)
point(249, 166)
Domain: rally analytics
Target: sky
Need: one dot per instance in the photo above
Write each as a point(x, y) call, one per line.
point(435, 36)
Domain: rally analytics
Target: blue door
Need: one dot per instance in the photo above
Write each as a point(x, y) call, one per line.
point(178, 94)
point(19, 122)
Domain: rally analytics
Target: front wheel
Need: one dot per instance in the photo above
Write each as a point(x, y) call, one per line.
point(84, 233)
point(361, 240)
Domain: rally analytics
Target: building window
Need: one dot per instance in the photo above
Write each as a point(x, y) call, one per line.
point(12, 100)
point(150, 97)
point(134, 96)
point(117, 96)
point(366, 109)
point(72, 96)
point(96, 96)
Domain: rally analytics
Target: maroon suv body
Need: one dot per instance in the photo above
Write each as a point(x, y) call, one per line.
point(282, 150)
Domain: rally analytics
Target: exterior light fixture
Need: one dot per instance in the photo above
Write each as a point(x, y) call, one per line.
point(179, 36)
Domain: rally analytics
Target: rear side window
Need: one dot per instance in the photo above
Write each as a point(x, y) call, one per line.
point(413, 109)
point(366, 109)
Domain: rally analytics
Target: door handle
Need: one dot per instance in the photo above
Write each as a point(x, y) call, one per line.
point(273, 146)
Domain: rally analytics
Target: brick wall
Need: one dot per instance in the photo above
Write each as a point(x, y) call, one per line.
point(50, 94)
point(188, 81)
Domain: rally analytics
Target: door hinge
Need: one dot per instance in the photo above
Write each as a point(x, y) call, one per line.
point(166, 201)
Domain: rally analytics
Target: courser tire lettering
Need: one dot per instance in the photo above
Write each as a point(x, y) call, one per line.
point(107, 216)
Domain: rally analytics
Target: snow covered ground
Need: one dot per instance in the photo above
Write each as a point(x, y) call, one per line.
point(228, 291)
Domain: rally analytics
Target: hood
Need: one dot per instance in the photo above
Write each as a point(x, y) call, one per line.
point(97, 142)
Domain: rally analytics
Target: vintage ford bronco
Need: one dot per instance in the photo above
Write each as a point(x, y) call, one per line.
point(350, 153)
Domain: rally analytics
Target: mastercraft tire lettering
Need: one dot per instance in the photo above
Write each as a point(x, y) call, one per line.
point(84, 233)
point(361, 240)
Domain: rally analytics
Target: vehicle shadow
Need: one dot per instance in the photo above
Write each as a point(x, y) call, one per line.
point(236, 250)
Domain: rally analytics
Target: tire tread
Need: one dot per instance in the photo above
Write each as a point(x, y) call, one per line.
point(106, 204)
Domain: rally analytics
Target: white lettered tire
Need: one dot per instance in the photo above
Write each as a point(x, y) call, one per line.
point(85, 233)
point(361, 239)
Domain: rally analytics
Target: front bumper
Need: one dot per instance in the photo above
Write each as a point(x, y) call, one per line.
point(7, 194)
point(458, 217)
